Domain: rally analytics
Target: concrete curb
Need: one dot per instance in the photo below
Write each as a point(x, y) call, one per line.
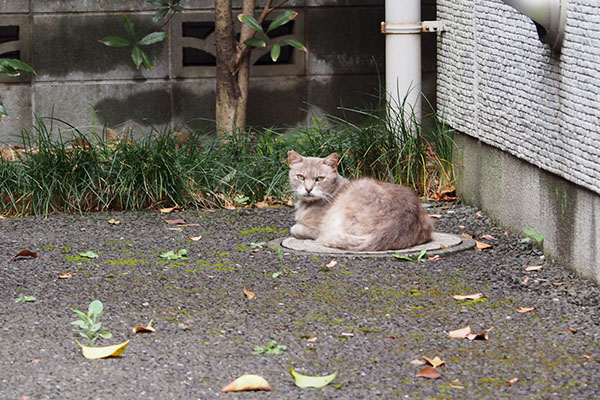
point(442, 244)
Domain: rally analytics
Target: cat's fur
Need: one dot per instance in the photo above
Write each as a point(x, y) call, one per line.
point(359, 215)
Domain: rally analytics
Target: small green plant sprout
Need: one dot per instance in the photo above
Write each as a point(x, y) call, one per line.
point(241, 199)
point(422, 257)
point(258, 245)
point(88, 326)
point(279, 21)
point(139, 57)
point(532, 234)
point(88, 254)
point(271, 348)
point(171, 255)
point(26, 299)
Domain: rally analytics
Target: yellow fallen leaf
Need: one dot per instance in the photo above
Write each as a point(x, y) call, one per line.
point(522, 310)
point(460, 333)
point(312, 340)
point(195, 238)
point(113, 221)
point(466, 235)
point(94, 353)
point(435, 361)
point(249, 294)
point(305, 381)
point(512, 381)
point(475, 296)
point(66, 275)
point(247, 382)
point(482, 246)
point(332, 263)
point(144, 329)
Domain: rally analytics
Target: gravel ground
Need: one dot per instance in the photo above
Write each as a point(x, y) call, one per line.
point(370, 317)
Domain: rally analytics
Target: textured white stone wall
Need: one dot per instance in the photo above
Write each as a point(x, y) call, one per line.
point(497, 82)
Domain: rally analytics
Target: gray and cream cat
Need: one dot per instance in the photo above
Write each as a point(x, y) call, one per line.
point(359, 215)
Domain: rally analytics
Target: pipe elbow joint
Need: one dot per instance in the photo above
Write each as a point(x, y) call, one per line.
point(549, 17)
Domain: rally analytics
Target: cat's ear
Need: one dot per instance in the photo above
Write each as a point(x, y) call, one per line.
point(294, 157)
point(331, 160)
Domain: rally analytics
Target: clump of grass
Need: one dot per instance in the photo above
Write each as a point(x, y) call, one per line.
point(68, 169)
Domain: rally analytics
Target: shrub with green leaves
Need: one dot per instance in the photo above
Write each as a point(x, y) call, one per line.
point(88, 326)
point(64, 168)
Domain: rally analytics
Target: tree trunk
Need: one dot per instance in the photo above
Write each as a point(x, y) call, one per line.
point(232, 82)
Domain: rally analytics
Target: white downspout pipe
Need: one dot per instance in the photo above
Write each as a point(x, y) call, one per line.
point(403, 55)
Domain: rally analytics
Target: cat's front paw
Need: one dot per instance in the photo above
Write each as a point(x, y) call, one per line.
point(300, 231)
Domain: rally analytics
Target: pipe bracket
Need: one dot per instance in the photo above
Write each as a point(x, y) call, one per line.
point(404, 28)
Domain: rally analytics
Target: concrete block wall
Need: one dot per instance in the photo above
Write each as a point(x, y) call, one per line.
point(527, 121)
point(82, 81)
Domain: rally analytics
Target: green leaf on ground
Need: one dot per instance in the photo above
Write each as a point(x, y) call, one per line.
point(271, 348)
point(26, 299)
point(304, 381)
point(88, 254)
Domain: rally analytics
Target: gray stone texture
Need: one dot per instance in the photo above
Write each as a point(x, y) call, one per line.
point(522, 196)
point(84, 82)
point(497, 82)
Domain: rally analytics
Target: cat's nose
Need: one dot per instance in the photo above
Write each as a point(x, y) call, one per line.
point(308, 189)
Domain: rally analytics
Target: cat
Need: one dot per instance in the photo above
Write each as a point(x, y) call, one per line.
point(357, 215)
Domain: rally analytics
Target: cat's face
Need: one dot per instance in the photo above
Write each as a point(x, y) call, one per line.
point(313, 178)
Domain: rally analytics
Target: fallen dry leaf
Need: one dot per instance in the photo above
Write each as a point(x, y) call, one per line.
point(512, 381)
point(466, 235)
point(475, 296)
point(525, 281)
point(179, 221)
point(247, 382)
point(332, 263)
point(434, 258)
point(25, 253)
point(429, 373)
point(483, 335)
point(435, 361)
point(522, 310)
point(249, 294)
point(171, 209)
point(557, 283)
point(488, 237)
point(311, 340)
point(144, 329)
point(195, 238)
point(66, 275)
point(534, 267)
point(261, 204)
point(418, 361)
point(588, 357)
point(436, 216)
point(478, 213)
point(482, 245)
point(113, 221)
point(460, 333)
point(455, 384)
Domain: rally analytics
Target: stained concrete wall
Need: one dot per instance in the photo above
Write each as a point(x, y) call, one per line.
point(83, 82)
point(528, 120)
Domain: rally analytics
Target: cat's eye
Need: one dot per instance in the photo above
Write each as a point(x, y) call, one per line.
point(320, 178)
point(300, 177)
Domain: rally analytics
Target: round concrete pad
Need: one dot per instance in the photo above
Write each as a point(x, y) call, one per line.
point(441, 243)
